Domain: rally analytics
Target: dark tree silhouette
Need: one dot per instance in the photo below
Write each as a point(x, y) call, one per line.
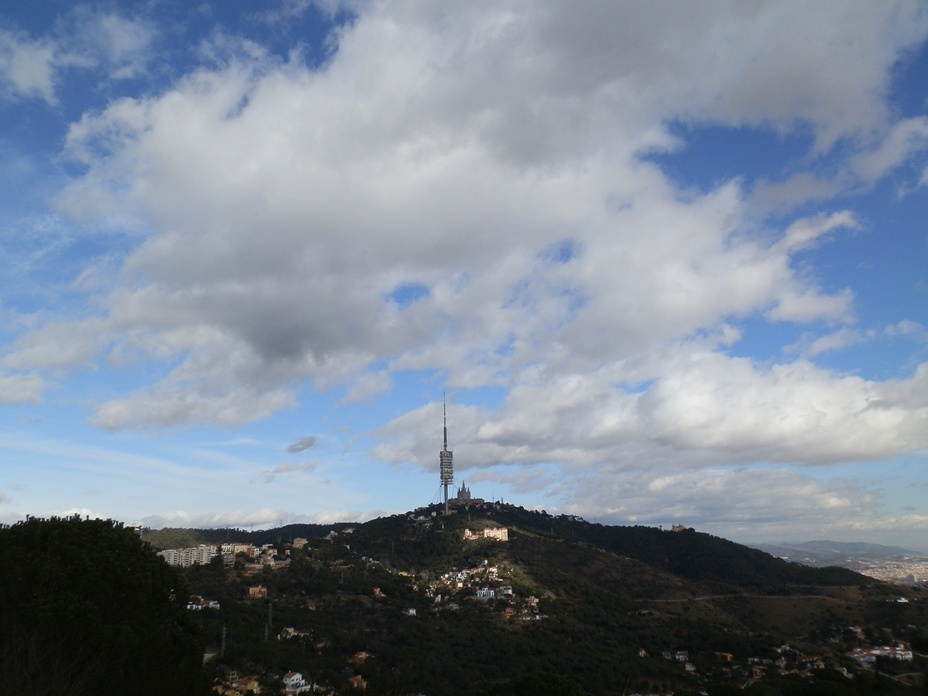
point(87, 608)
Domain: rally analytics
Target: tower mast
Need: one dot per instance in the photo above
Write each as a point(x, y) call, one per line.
point(445, 457)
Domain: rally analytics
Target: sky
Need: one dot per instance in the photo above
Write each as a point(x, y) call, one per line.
point(665, 262)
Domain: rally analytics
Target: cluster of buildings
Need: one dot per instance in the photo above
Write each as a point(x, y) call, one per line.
point(866, 657)
point(909, 570)
point(259, 556)
point(197, 603)
point(481, 584)
point(787, 661)
point(233, 683)
point(497, 533)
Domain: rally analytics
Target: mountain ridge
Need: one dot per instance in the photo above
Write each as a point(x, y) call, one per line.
point(844, 554)
point(596, 604)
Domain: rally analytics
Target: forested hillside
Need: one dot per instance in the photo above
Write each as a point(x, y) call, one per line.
point(406, 605)
point(178, 538)
point(397, 602)
point(86, 609)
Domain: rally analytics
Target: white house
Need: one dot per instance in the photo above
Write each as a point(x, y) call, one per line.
point(295, 684)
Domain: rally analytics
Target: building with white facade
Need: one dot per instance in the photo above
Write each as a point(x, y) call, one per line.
point(498, 533)
point(201, 554)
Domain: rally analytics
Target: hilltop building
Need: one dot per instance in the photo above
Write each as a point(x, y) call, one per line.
point(446, 472)
point(498, 533)
point(465, 498)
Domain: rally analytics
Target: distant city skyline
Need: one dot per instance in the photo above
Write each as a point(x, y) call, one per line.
point(668, 262)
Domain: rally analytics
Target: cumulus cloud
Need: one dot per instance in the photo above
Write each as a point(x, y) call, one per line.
point(58, 346)
point(175, 406)
point(905, 141)
point(261, 518)
point(908, 329)
point(367, 386)
point(93, 38)
point(749, 504)
point(21, 388)
point(811, 345)
point(703, 409)
point(83, 39)
point(492, 157)
point(26, 67)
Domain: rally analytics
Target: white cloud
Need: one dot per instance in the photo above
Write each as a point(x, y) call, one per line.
point(745, 504)
point(367, 386)
point(806, 306)
point(908, 329)
point(767, 52)
point(701, 410)
point(258, 518)
point(58, 345)
point(27, 67)
point(175, 406)
point(906, 140)
point(489, 154)
point(810, 345)
point(789, 413)
point(805, 233)
point(785, 195)
point(84, 39)
point(21, 388)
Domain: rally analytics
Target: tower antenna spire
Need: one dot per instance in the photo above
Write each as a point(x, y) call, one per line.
point(445, 457)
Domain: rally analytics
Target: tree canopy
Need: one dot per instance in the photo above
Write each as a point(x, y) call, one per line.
point(88, 608)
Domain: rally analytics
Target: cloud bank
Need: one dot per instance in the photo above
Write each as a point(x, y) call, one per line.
point(471, 189)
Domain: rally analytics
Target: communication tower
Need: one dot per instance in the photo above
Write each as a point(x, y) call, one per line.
point(445, 459)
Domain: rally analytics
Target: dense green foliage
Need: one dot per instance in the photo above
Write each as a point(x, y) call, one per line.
point(688, 554)
point(611, 602)
point(180, 538)
point(89, 609)
point(539, 684)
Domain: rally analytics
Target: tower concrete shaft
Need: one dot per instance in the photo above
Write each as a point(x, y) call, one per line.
point(445, 459)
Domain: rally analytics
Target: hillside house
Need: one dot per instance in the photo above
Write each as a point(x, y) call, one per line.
point(497, 533)
point(867, 656)
point(294, 683)
point(485, 593)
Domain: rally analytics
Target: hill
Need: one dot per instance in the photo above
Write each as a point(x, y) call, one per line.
point(843, 554)
point(88, 609)
point(179, 538)
point(689, 555)
point(409, 606)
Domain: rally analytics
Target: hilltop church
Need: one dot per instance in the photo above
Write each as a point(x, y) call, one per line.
point(464, 497)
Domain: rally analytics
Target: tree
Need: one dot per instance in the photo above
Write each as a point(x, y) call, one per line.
point(538, 685)
point(89, 609)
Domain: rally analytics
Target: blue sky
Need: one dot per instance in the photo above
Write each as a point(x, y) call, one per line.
point(666, 261)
